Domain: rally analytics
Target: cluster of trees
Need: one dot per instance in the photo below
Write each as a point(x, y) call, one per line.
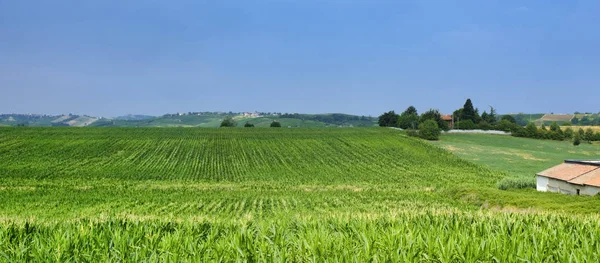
point(556, 133)
point(468, 118)
point(410, 119)
point(229, 122)
point(586, 121)
point(428, 124)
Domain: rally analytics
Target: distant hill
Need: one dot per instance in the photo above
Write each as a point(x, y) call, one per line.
point(40, 120)
point(213, 120)
point(131, 117)
point(547, 119)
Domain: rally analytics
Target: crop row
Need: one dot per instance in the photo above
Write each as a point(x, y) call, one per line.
point(293, 156)
point(414, 237)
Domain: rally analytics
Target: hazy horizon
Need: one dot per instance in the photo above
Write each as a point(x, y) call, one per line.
point(113, 58)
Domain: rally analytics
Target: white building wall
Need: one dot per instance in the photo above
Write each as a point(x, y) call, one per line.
point(545, 184)
point(590, 190)
point(541, 183)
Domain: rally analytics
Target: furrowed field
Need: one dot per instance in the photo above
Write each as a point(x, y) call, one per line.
point(188, 194)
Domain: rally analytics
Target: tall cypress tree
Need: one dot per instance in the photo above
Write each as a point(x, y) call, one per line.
point(468, 112)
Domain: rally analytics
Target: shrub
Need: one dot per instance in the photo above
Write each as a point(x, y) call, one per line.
point(509, 118)
point(275, 124)
point(568, 133)
point(531, 131)
point(248, 125)
point(484, 125)
point(515, 183)
point(507, 126)
point(429, 130)
point(412, 133)
point(228, 122)
point(388, 119)
point(589, 134)
point(466, 125)
point(576, 139)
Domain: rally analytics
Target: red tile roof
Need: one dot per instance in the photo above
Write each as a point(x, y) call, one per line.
point(575, 172)
point(446, 117)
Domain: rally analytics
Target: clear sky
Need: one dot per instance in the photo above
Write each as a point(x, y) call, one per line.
point(114, 57)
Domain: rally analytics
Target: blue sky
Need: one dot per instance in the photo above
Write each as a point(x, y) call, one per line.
point(110, 58)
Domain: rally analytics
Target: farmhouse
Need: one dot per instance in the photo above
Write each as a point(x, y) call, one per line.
point(571, 177)
point(448, 119)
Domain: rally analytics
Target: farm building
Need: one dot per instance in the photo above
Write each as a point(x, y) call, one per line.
point(448, 119)
point(571, 177)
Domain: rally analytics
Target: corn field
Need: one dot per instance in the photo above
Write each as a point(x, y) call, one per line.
point(246, 195)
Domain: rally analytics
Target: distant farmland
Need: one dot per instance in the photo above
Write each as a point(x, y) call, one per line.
point(558, 117)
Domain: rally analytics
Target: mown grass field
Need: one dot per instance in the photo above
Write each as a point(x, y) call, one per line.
point(189, 194)
point(522, 157)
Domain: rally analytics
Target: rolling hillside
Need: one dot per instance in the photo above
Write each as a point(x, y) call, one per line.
point(355, 194)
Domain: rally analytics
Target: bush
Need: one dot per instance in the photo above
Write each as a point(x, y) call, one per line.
point(429, 130)
point(507, 126)
point(568, 133)
point(248, 125)
point(509, 118)
point(589, 134)
point(388, 119)
point(484, 125)
point(531, 131)
point(576, 139)
point(515, 183)
point(466, 125)
point(412, 133)
point(228, 122)
point(275, 124)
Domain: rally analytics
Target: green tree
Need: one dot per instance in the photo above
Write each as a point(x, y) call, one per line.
point(484, 116)
point(468, 112)
point(576, 139)
point(554, 127)
point(228, 122)
point(484, 125)
point(410, 110)
point(430, 115)
point(275, 124)
point(409, 119)
point(388, 119)
point(509, 118)
point(491, 118)
point(531, 131)
point(248, 125)
point(435, 115)
point(465, 125)
point(568, 133)
point(507, 126)
point(429, 130)
point(574, 121)
point(589, 134)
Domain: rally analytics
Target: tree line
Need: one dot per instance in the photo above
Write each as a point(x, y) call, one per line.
point(468, 118)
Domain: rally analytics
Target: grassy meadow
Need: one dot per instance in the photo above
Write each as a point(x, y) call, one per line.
point(265, 194)
point(521, 157)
